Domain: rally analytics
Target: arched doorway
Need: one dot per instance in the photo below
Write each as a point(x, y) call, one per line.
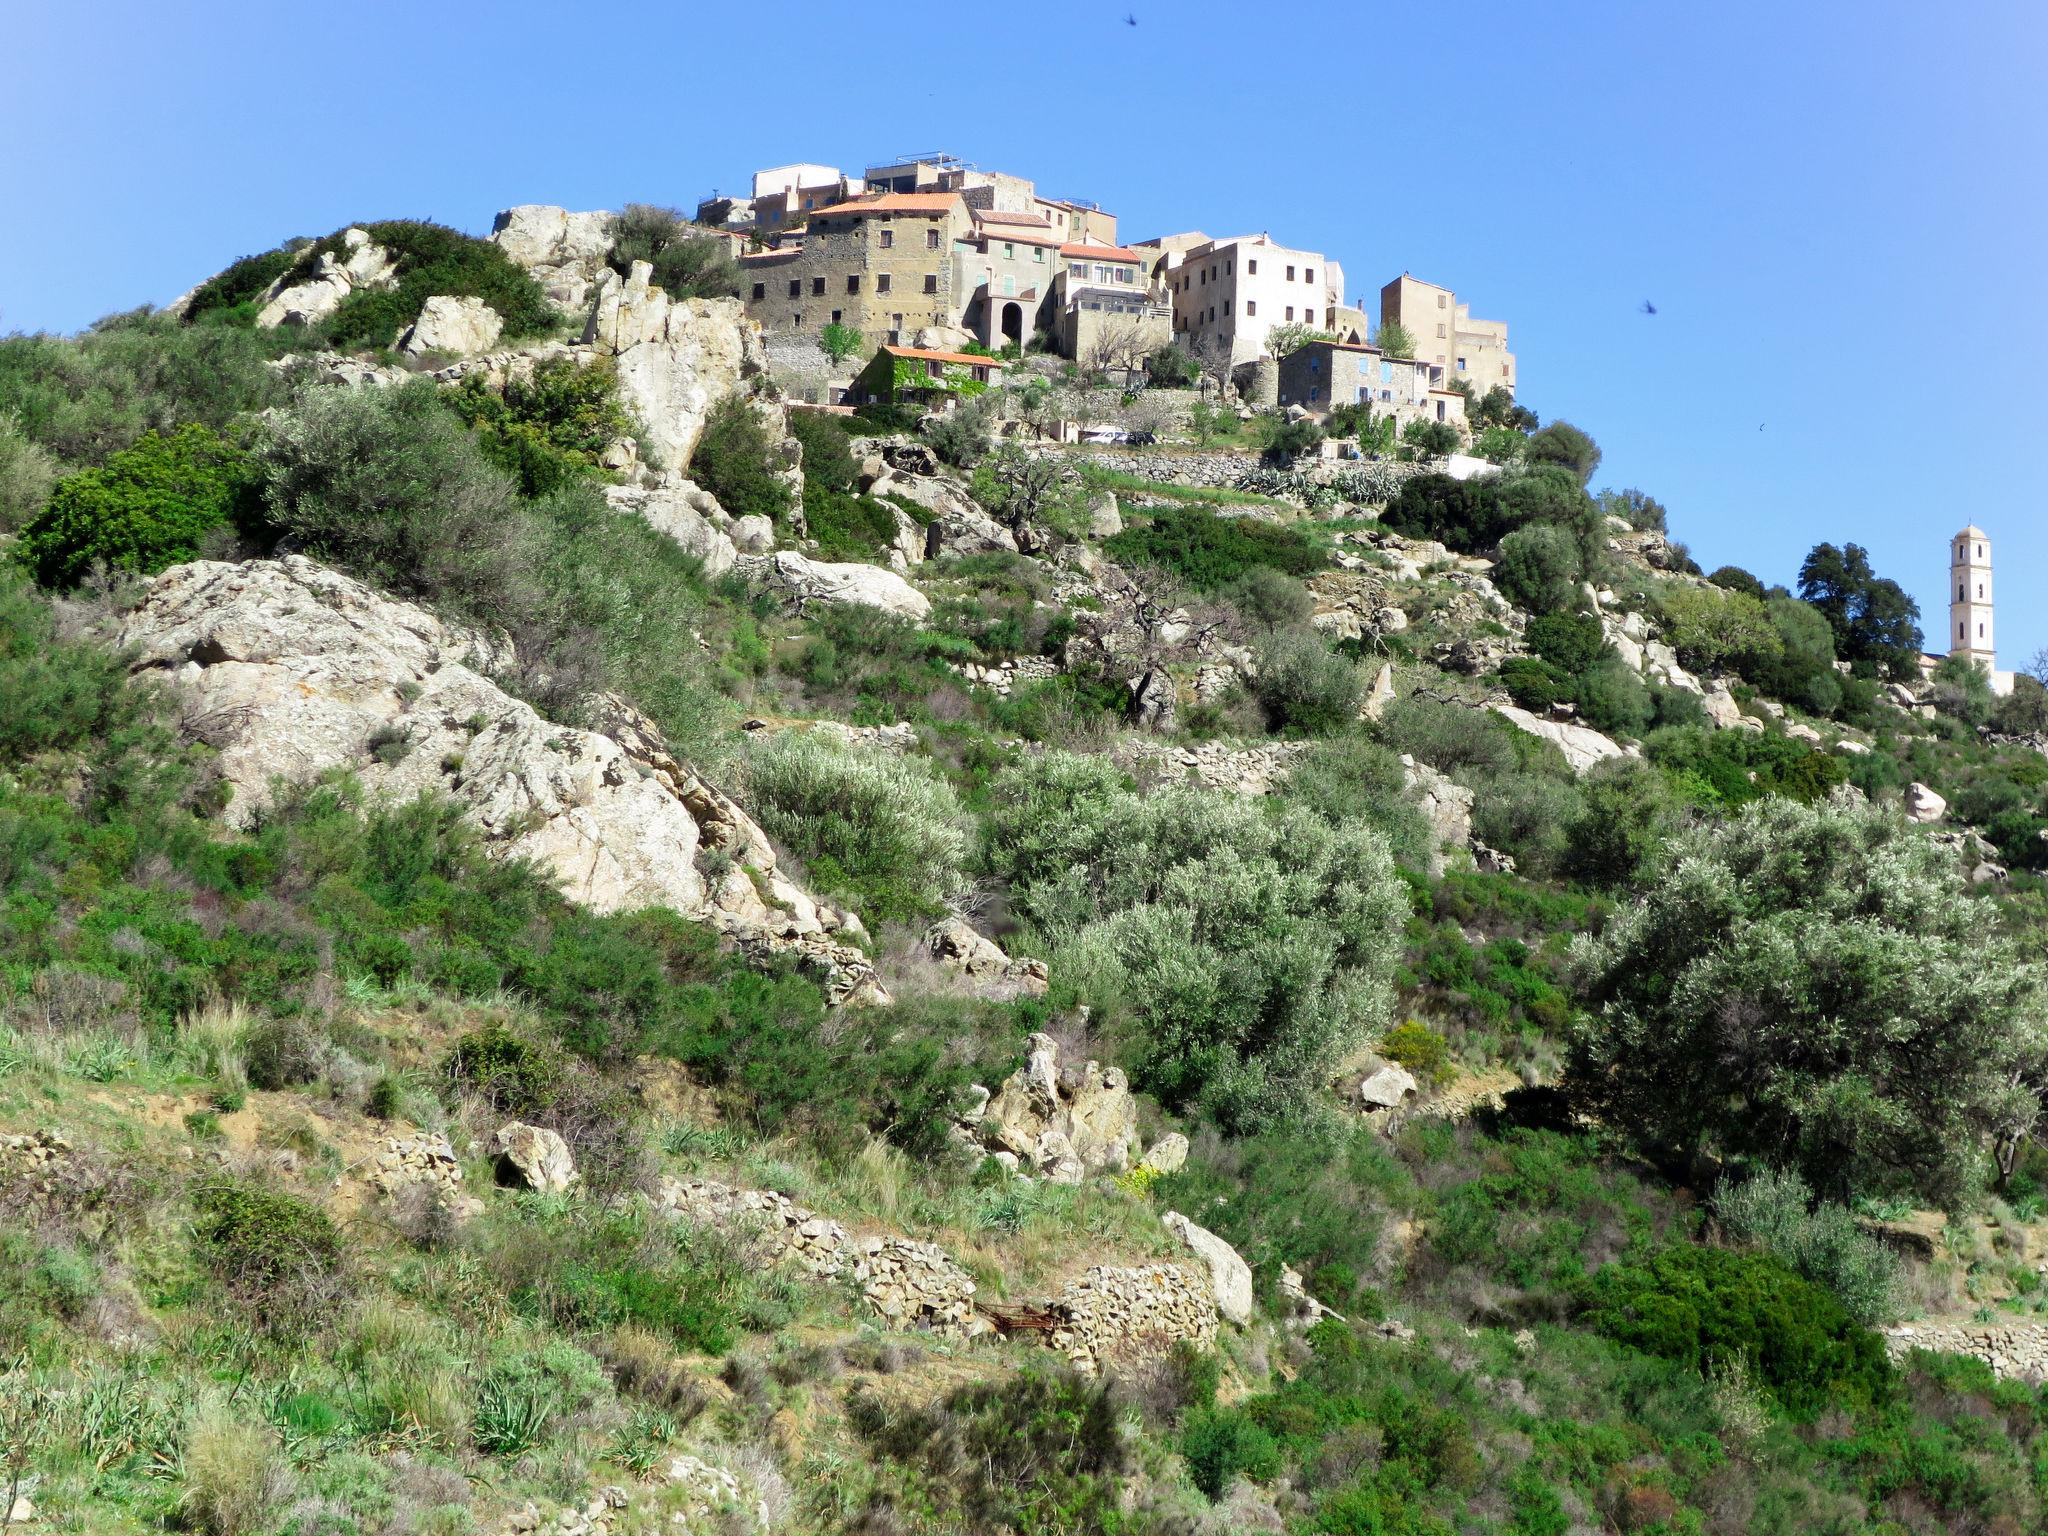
point(1013, 323)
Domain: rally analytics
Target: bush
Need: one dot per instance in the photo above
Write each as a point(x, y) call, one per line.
point(1348, 777)
point(828, 450)
point(1305, 688)
point(147, 508)
point(1500, 445)
point(1628, 810)
point(267, 1246)
point(231, 294)
point(1431, 439)
point(1563, 444)
point(687, 265)
point(1419, 1048)
point(1464, 515)
point(1717, 630)
point(1539, 569)
point(1572, 642)
point(1451, 738)
point(1224, 1444)
point(1776, 1211)
point(1641, 511)
point(870, 827)
point(1243, 952)
point(236, 1476)
point(429, 259)
point(386, 483)
point(1171, 367)
point(1270, 599)
point(1712, 1308)
point(548, 427)
point(27, 475)
point(1812, 986)
point(960, 437)
point(736, 460)
point(1210, 552)
point(1612, 698)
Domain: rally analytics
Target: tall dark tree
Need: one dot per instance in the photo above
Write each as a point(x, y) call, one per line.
point(1876, 624)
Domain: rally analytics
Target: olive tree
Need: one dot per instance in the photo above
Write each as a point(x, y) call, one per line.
point(1812, 987)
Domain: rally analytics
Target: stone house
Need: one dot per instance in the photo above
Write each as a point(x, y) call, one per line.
point(882, 265)
point(1107, 310)
point(784, 196)
point(1230, 293)
point(1447, 337)
point(1321, 375)
point(925, 376)
point(1003, 271)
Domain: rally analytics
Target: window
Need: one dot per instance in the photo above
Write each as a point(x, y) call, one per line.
point(888, 237)
point(1226, 306)
point(1308, 274)
point(1290, 311)
point(1980, 631)
point(931, 370)
point(1980, 551)
point(796, 287)
point(931, 239)
point(797, 322)
point(1962, 594)
point(931, 282)
point(1439, 330)
point(853, 282)
point(1038, 254)
point(881, 282)
point(1315, 393)
point(1461, 365)
point(838, 315)
point(1251, 307)
point(1202, 277)
point(760, 292)
point(817, 285)
point(1315, 365)
point(1229, 267)
point(1980, 591)
point(1251, 268)
point(1439, 305)
point(1009, 250)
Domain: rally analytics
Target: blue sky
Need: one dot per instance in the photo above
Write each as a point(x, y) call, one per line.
point(1837, 207)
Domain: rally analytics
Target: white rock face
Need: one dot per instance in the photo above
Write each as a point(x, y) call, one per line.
point(291, 670)
point(1447, 805)
point(563, 251)
point(1380, 695)
point(675, 360)
point(1721, 707)
point(359, 264)
point(538, 1157)
point(805, 581)
point(1228, 1273)
point(457, 327)
point(1062, 1125)
point(1581, 744)
point(1169, 1154)
point(686, 513)
point(1388, 1088)
point(1923, 804)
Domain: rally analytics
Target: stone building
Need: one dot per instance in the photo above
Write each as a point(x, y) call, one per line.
point(1108, 312)
point(784, 196)
point(1324, 374)
point(882, 265)
point(925, 376)
point(1447, 337)
point(1230, 293)
point(1003, 271)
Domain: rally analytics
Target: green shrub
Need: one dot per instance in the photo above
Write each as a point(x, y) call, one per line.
point(546, 427)
point(871, 827)
point(828, 450)
point(1612, 698)
point(1419, 1048)
point(1464, 515)
point(1563, 444)
point(1776, 1211)
point(147, 508)
point(1210, 552)
point(1224, 1444)
point(1347, 777)
point(1431, 439)
point(1539, 569)
point(1271, 599)
point(1571, 642)
point(27, 474)
point(688, 264)
point(1712, 1308)
point(1305, 688)
point(428, 259)
point(232, 293)
point(960, 437)
point(266, 1245)
point(736, 460)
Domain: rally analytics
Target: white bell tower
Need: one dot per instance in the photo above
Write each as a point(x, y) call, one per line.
point(1969, 609)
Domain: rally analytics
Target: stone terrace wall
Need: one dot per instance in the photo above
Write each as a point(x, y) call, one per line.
point(2014, 1351)
point(1113, 1313)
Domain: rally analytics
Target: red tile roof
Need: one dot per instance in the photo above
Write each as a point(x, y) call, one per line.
point(1027, 220)
point(895, 202)
point(1101, 252)
point(972, 359)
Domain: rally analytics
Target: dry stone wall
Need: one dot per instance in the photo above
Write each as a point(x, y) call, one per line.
point(2014, 1351)
point(1115, 1314)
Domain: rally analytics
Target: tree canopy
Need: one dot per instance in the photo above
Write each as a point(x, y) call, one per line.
point(1875, 622)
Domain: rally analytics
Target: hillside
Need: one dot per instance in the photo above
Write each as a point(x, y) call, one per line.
point(588, 947)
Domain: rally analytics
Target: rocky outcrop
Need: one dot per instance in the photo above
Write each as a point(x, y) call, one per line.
point(1213, 764)
point(1229, 1276)
point(1114, 1314)
point(1062, 1125)
point(688, 514)
point(360, 263)
point(1387, 1087)
point(458, 327)
point(955, 944)
point(1169, 1154)
point(803, 581)
point(290, 670)
point(675, 359)
point(1923, 804)
point(1582, 746)
point(564, 252)
point(425, 1161)
point(533, 1156)
point(1446, 805)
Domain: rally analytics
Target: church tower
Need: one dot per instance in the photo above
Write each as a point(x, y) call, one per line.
point(1969, 611)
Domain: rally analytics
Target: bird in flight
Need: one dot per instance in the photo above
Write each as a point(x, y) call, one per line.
point(1649, 308)
point(1130, 20)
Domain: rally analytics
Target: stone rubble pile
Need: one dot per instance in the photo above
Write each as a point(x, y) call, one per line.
point(1006, 675)
point(959, 947)
point(776, 1225)
point(32, 1166)
point(1214, 764)
point(710, 1490)
point(1116, 1313)
point(596, 1518)
point(409, 1162)
point(1064, 1125)
point(911, 1284)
